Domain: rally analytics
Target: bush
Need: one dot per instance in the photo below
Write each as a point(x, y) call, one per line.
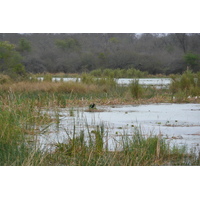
point(119, 73)
point(192, 60)
point(87, 78)
point(11, 60)
point(188, 84)
point(136, 89)
point(48, 77)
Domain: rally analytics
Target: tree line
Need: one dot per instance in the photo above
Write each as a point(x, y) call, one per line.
point(84, 52)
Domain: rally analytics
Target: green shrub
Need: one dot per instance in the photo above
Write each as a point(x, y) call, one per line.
point(11, 60)
point(136, 89)
point(188, 84)
point(107, 81)
point(108, 73)
point(192, 60)
point(119, 73)
point(87, 78)
point(48, 77)
point(96, 73)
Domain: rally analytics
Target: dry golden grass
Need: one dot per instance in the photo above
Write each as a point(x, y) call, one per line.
point(27, 86)
point(67, 87)
point(4, 79)
point(81, 88)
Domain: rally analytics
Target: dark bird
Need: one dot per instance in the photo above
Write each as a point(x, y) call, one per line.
point(92, 105)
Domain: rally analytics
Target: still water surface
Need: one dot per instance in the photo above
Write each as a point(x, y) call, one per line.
point(124, 81)
point(178, 123)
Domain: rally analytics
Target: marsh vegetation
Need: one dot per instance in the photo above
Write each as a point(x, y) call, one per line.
point(29, 106)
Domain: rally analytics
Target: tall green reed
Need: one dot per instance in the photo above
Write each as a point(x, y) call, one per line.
point(19, 119)
point(136, 149)
point(136, 89)
point(188, 84)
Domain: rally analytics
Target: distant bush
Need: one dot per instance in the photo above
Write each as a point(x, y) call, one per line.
point(119, 73)
point(24, 45)
point(87, 78)
point(11, 60)
point(188, 84)
point(136, 89)
point(96, 72)
point(48, 77)
point(68, 44)
point(192, 60)
point(107, 81)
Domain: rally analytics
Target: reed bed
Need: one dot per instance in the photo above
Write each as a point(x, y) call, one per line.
point(17, 121)
point(46, 86)
point(64, 94)
point(135, 150)
point(186, 86)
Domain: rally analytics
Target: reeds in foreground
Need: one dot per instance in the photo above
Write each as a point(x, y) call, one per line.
point(136, 150)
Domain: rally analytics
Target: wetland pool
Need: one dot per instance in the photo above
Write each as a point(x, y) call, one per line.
point(177, 123)
point(157, 82)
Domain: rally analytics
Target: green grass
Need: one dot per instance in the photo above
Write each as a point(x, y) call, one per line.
point(188, 84)
point(19, 119)
point(136, 89)
point(135, 150)
point(13, 148)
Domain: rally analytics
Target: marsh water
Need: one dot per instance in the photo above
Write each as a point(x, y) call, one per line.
point(159, 82)
point(177, 123)
point(146, 81)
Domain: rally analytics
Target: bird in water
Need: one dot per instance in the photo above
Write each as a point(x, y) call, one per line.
point(92, 105)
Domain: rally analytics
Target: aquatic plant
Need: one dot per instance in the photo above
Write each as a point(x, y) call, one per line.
point(71, 112)
point(47, 77)
point(87, 78)
point(136, 149)
point(136, 89)
point(131, 72)
point(17, 120)
point(185, 85)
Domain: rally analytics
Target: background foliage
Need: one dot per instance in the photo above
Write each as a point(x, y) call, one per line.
point(84, 52)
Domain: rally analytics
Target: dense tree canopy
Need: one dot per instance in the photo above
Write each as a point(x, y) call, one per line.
point(69, 53)
point(10, 60)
